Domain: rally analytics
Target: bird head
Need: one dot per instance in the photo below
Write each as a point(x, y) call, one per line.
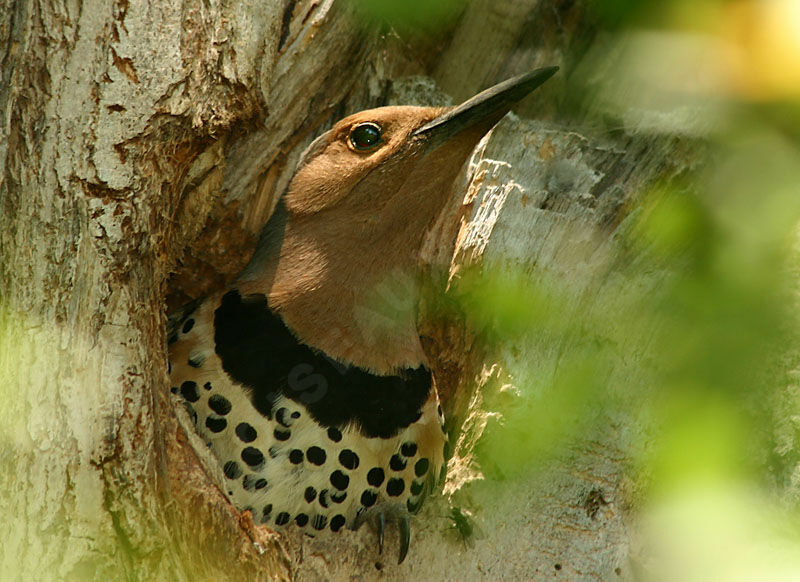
point(340, 259)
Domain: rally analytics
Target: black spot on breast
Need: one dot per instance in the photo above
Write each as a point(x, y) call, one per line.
point(282, 435)
point(232, 470)
point(416, 487)
point(368, 498)
point(219, 404)
point(409, 449)
point(245, 432)
point(395, 487)
point(188, 325)
point(261, 483)
point(397, 463)
point(337, 521)
point(252, 456)
point(334, 434)
point(282, 416)
point(295, 415)
point(319, 522)
point(174, 389)
point(266, 512)
point(196, 362)
point(375, 476)
point(413, 506)
point(258, 351)
point(216, 424)
point(301, 519)
point(296, 456)
point(250, 482)
point(421, 467)
point(315, 455)
point(310, 494)
point(338, 497)
point(274, 452)
point(324, 498)
point(189, 391)
point(207, 385)
point(339, 480)
point(348, 459)
point(282, 518)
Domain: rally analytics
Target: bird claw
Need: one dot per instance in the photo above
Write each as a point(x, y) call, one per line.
point(404, 529)
point(381, 531)
point(405, 537)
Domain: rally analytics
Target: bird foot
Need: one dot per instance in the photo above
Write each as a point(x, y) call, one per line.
point(404, 529)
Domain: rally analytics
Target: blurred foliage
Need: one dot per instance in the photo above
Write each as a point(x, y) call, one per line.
point(703, 294)
point(692, 331)
point(410, 18)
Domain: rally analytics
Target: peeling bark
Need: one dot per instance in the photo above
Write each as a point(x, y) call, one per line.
point(116, 130)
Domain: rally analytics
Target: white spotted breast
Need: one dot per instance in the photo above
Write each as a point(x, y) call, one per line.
point(288, 459)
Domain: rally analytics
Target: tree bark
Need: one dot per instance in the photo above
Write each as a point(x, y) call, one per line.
point(142, 148)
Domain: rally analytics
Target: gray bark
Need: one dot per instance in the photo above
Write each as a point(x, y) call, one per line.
point(147, 139)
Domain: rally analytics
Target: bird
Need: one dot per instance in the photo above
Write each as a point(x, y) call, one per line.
point(306, 376)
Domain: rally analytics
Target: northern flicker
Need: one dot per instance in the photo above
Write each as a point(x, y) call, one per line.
point(316, 399)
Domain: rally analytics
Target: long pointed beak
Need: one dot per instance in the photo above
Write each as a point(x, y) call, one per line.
point(483, 110)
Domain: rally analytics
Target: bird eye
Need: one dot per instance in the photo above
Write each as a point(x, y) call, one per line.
point(365, 136)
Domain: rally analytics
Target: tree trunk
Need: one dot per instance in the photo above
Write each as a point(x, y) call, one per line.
point(143, 140)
